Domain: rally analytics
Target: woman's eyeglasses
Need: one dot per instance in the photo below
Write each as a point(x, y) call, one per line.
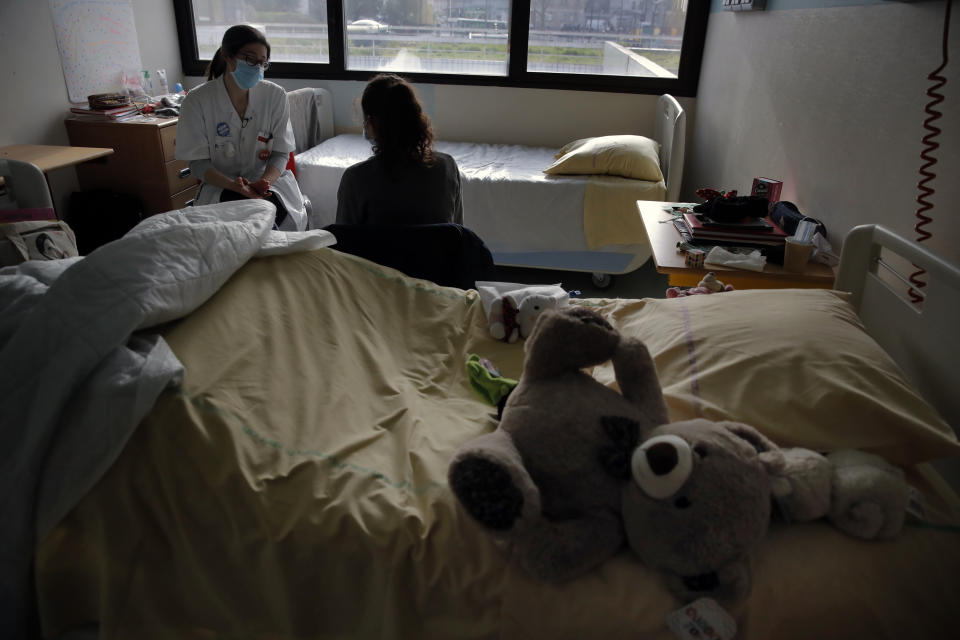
point(253, 62)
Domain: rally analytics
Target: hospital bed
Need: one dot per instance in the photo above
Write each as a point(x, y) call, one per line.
point(527, 218)
point(289, 481)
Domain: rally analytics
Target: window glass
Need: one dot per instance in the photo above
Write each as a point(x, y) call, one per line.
point(638, 38)
point(599, 45)
point(428, 36)
point(296, 30)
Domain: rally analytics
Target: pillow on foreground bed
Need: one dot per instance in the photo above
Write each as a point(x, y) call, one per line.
point(796, 364)
point(626, 156)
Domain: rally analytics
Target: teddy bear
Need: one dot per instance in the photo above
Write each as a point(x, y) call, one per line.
point(536, 483)
point(709, 284)
point(860, 493)
point(699, 496)
point(513, 312)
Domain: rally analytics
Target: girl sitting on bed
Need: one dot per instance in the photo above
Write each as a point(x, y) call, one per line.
point(406, 181)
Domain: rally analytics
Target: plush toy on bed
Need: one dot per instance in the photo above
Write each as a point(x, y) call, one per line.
point(699, 496)
point(709, 284)
point(514, 309)
point(536, 483)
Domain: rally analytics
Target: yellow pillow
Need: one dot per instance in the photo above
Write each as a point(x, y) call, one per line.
point(627, 156)
point(797, 364)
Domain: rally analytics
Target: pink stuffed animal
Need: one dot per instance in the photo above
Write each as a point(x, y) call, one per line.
point(709, 284)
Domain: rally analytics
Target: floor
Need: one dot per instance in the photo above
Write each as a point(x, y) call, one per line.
point(644, 282)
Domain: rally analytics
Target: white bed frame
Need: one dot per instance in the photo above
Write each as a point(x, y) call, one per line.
point(921, 338)
point(669, 129)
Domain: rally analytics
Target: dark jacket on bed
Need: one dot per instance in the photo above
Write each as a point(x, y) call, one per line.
point(374, 192)
point(448, 254)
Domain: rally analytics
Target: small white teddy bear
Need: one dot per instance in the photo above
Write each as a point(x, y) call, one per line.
point(513, 309)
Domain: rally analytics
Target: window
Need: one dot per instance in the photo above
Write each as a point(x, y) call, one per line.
point(639, 46)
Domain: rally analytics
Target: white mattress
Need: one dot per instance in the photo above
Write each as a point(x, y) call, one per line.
point(507, 200)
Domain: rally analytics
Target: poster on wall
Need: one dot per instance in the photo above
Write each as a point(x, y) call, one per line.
point(98, 42)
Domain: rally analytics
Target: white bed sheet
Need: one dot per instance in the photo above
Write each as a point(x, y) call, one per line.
point(507, 199)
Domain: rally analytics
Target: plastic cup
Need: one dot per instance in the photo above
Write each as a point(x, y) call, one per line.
point(796, 255)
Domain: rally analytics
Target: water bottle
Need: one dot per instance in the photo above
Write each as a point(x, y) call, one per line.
point(162, 82)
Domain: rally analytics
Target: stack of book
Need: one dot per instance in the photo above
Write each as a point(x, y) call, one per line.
point(699, 228)
point(116, 113)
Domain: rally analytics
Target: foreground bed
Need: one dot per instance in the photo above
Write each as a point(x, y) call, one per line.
point(293, 484)
point(584, 222)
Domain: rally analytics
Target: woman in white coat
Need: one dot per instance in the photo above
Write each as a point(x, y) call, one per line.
point(234, 130)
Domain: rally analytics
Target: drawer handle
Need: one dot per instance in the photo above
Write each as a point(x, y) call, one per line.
point(184, 173)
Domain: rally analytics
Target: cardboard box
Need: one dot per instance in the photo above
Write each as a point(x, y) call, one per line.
point(767, 188)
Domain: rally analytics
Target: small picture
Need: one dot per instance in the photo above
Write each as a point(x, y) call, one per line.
point(767, 188)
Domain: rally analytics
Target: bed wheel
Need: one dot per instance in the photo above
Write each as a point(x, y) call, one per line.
point(602, 280)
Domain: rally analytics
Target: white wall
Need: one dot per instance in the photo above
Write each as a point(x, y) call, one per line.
point(830, 100)
point(503, 115)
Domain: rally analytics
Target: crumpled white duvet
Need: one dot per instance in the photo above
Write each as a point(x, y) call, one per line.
point(75, 377)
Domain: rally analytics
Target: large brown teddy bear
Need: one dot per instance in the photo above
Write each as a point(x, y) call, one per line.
point(538, 483)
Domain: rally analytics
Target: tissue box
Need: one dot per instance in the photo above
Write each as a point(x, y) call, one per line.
point(767, 188)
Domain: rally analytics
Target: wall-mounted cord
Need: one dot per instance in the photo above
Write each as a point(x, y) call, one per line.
point(930, 145)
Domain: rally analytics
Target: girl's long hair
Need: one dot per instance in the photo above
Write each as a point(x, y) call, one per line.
point(402, 131)
point(235, 38)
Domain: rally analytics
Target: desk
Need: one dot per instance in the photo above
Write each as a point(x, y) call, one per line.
point(663, 238)
point(49, 157)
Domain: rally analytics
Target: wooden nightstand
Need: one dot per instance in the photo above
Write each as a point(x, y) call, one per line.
point(663, 238)
point(142, 163)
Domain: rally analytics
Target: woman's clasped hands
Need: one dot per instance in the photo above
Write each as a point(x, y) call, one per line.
point(258, 189)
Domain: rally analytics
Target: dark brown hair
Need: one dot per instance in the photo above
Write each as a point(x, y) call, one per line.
point(402, 131)
point(235, 38)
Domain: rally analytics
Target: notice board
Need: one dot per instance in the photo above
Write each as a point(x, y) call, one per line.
point(98, 42)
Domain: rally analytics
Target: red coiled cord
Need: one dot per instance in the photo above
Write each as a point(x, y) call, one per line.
point(930, 145)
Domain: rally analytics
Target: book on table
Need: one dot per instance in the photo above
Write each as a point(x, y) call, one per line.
point(759, 231)
point(116, 113)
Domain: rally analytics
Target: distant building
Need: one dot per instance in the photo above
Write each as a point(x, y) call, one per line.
point(447, 10)
point(620, 16)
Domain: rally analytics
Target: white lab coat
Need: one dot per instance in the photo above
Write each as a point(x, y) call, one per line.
point(209, 128)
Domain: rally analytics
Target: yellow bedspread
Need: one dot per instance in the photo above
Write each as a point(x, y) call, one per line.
point(610, 213)
point(294, 486)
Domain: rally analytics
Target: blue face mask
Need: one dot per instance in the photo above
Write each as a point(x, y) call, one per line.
point(247, 75)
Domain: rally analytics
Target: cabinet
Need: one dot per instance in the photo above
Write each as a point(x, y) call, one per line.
point(142, 163)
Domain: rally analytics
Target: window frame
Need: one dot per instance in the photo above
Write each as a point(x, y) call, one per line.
point(685, 84)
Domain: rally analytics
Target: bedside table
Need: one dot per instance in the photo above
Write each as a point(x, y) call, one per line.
point(142, 164)
point(663, 238)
